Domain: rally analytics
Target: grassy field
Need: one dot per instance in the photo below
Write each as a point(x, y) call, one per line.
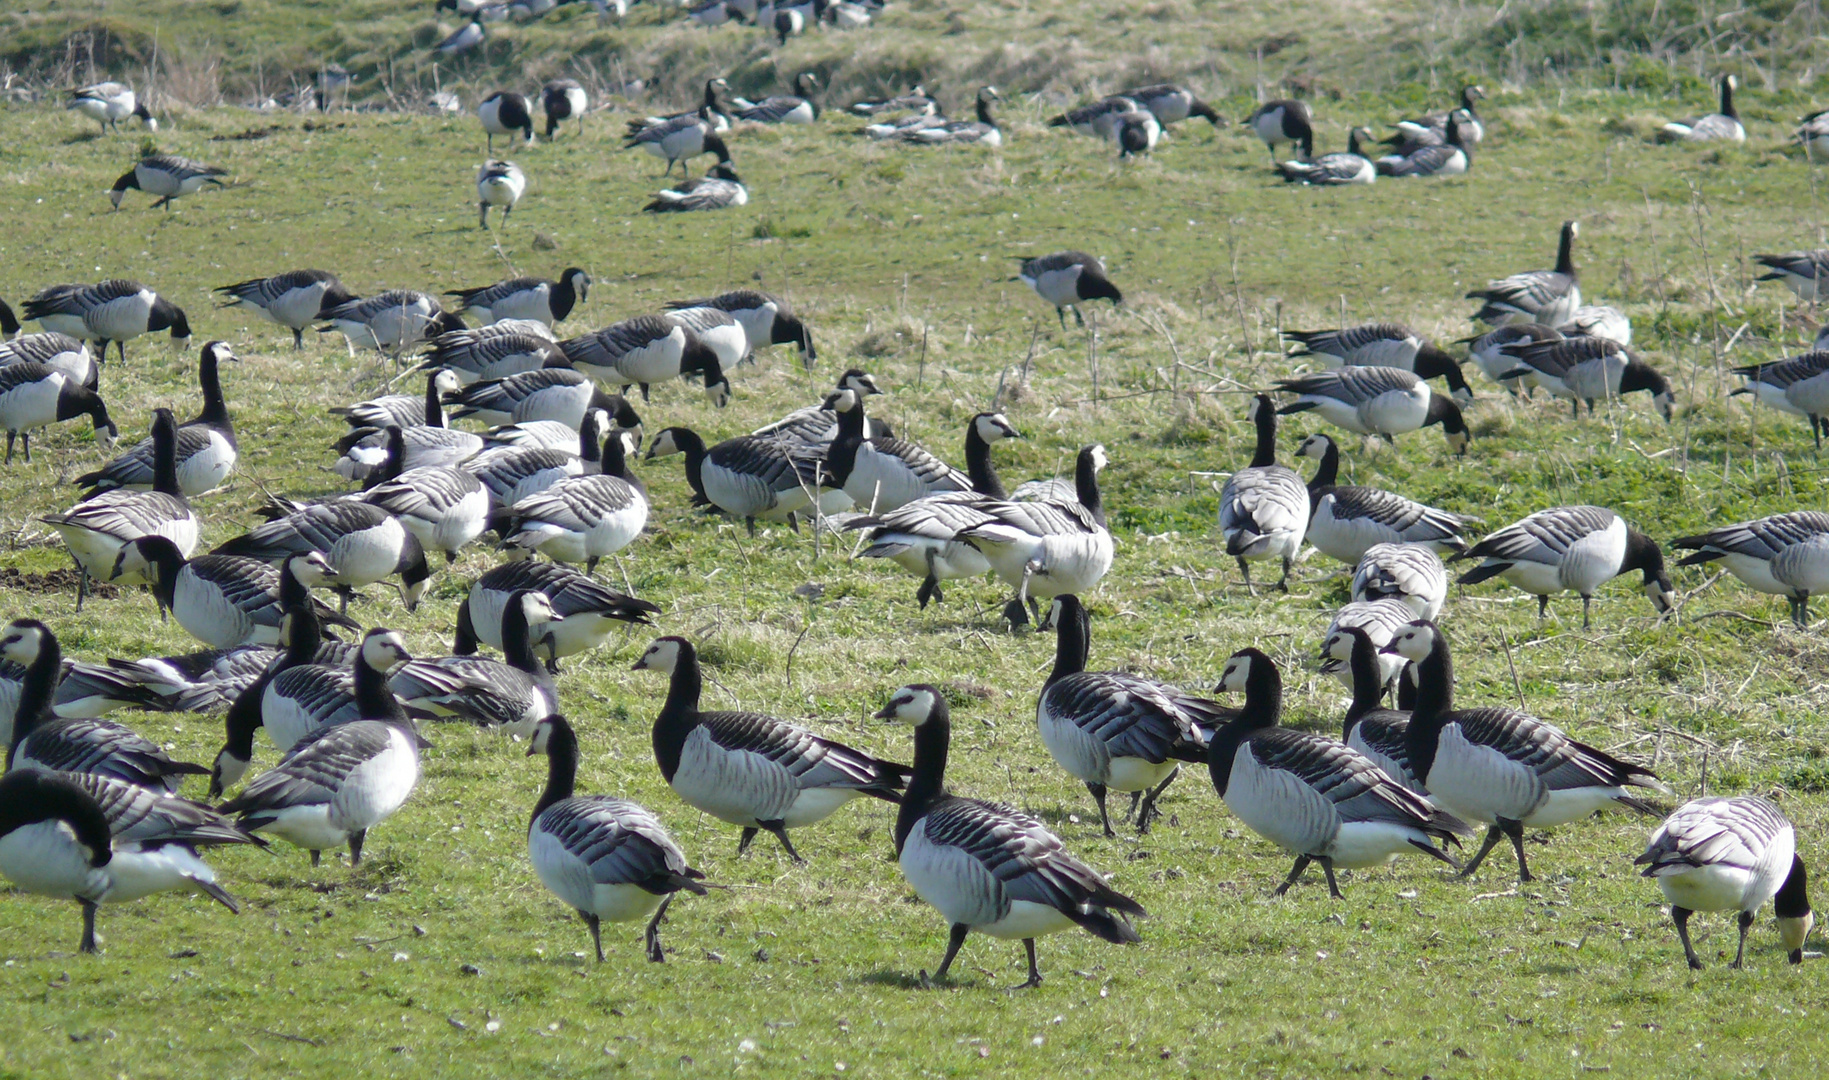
point(901, 259)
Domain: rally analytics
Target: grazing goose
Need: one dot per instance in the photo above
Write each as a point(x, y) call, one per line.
point(504, 113)
point(1411, 573)
point(1284, 121)
point(1116, 731)
point(1172, 104)
point(1100, 120)
point(1798, 386)
point(583, 518)
point(1379, 619)
point(554, 393)
point(1549, 297)
point(96, 529)
point(444, 507)
point(59, 352)
point(33, 396)
point(463, 39)
point(1570, 547)
point(1432, 129)
point(294, 299)
point(813, 427)
point(1335, 170)
point(1451, 157)
point(1598, 321)
point(108, 103)
point(210, 680)
point(1068, 279)
point(535, 299)
point(364, 544)
point(560, 100)
point(1803, 272)
point(225, 600)
point(1723, 124)
point(512, 473)
point(1731, 854)
point(1048, 549)
point(717, 330)
point(85, 692)
point(588, 611)
point(882, 474)
point(1381, 401)
point(498, 183)
point(1344, 521)
point(1391, 345)
point(1502, 767)
point(1379, 733)
point(983, 131)
point(390, 322)
point(513, 695)
point(680, 139)
point(1264, 508)
point(108, 311)
point(1589, 368)
point(719, 189)
point(55, 840)
point(496, 351)
point(1491, 351)
point(43, 740)
point(206, 449)
point(608, 858)
point(1138, 133)
point(750, 477)
point(645, 350)
point(403, 410)
point(766, 320)
point(1318, 799)
point(167, 176)
point(345, 779)
point(1783, 555)
point(985, 866)
point(799, 108)
point(752, 770)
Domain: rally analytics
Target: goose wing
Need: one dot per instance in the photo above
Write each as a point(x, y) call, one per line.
point(1560, 762)
point(1417, 523)
point(123, 513)
point(314, 528)
point(1268, 499)
point(1761, 539)
point(1735, 832)
point(811, 760)
point(1530, 291)
point(1027, 861)
point(619, 843)
point(1134, 716)
point(1358, 789)
point(937, 517)
point(1543, 537)
point(102, 746)
point(475, 688)
point(140, 814)
point(311, 772)
point(1010, 522)
point(1354, 384)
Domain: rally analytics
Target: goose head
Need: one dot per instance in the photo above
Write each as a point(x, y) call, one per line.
point(312, 569)
point(859, 381)
point(1414, 642)
point(662, 656)
point(1240, 668)
point(384, 650)
point(992, 426)
point(546, 732)
point(1315, 446)
point(219, 352)
point(23, 640)
point(914, 705)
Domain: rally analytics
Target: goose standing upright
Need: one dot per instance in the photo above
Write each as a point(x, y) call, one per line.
point(294, 299)
point(1379, 733)
point(1549, 297)
point(750, 477)
point(1264, 508)
point(1345, 520)
point(1068, 279)
point(1798, 385)
point(1723, 124)
point(498, 183)
point(1048, 548)
point(1731, 854)
point(1783, 555)
point(1570, 547)
point(1284, 121)
point(206, 451)
point(563, 99)
point(364, 544)
point(884, 473)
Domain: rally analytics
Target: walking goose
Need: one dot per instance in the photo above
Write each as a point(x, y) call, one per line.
point(680, 139)
point(1491, 351)
point(344, 779)
point(1172, 104)
point(1381, 401)
point(1264, 507)
point(225, 600)
point(1803, 272)
point(1598, 321)
point(752, 770)
point(563, 99)
point(1783, 555)
point(766, 320)
point(1318, 799)
point(719, 189)
point(531, 298)
point(1452, 156)
point(109, 311)
point(497, 351)
point(1549, 297)
point(882, 474)
point(59, 352)
point(504, 113)
point(206, 448)
point(167, 176)
point(1391, 345)
point(554, 393)
point(588, 611)
point(583, 518)
point(750, 477)
point(1335, 170)
point(1284, 121)
point(33, 396)
point(108, 103)
point(1346, 520)
point(1589, 368)
point(799, 108)
point(983, 131)
point(513, 695)
point(1047, 549)
point(364, 544)
point(1432, 128)
point(498, 183)
point(645, 350)
point(1116, 731)
point(1408, 572)
point(1570, 547)
point(1798, 386)
point(1502, 767)
point(1379, 733)
point(1731, 854)
point(390, 322)
point(294, 299)
point(985, 866)
point(1068, 279)
point(96, 529)
point(608, 858)
point(1722, 124)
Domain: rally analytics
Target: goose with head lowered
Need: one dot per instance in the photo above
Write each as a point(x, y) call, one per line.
point(1352, 166)
point(227, 600)
point(1283, 121)
point(512, 696)
point(1068, 279)
point(560, 100)
point(345, 779)
point(645, 350)
point(294, 299)
point(504, 348)
point(1379, 619)
point(1379, 733)
point(1264, 507)
point(766, 320)
point(609, 858)
point(206, 450)
point(1381, 401)
point(1723, 124)
point(1798, 386)
point(1171, 104)
point(96, 529)
point(498, 183)
point(504, 113)
point(583, 518)
point(372, 455)
point(751, 770)
point(1048, 548)
point(1392, 345)
point(364, 544)
point(1570, 547)
point(1783, 555)
point(1115, 731)
point(512, 473)
point(445, 507)
point(109, 311)
point(390, 322)
point(1491, 352)
point(586, 612)
point(750, 477)
point(1805, 273)
point(1502, 767)
point(1587, 369)
point(57, 351)
point(1318, 799)
point(1549, 297)
point(551, 393)
point(108, 103)
point(985, 866)
point(1452, 156)
point(1601, 321)
point(1099, 120)
point(1731, 854)
point(535, 299)
point(167, 176)
point(884, 473)
point(680, 139)
point(33, 395)
point(1408, 572)
point(1346, 519)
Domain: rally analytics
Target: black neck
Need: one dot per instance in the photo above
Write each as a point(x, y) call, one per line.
point(1263, 708)
point(1565, 253)
point(215, 409)
point(1793, 898)
point(841, 456)
point(984, 112)
point(1434, 678)
point(434, 405)
point(1327, 473)
point(1727, 100)
point(393, 465)
point(693, 447)
point(1368, 681)
point(680, 713)
point(561, 765)
point(37, 691)
point(985, 480)
point(165, 458)
point(1073, 642)
point(927, 781)
point(1086, 483)
point(590, 442)
point(374, 699)
point(561, 297)
point(1642, 554)
point(1467, 101)
point(1266, 433)
point(517, 642)
point(616, 462)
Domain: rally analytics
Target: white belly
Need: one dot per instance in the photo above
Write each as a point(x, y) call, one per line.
point(1709, 888)
point(1477, 783)
point(44, 858)
point(375, 789)
point(1360, 844)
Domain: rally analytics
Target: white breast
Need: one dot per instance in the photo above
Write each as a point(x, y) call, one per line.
point(737, 787)
point(1480, 784)
point(379, 786)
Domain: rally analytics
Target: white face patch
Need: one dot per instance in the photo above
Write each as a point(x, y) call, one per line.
point(1234, 677)
point(21, 645)
point(661, 656)
point(538, 608)
point(1099, 460)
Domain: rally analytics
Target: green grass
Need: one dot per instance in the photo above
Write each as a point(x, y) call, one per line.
point(792, 971)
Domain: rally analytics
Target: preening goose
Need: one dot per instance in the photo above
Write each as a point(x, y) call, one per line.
point(446, 508)
point(583, 518)
point(513, 695)
point(1784, 555)
point(1068, 279)
point(496, 351)
point(645, 350)
point(552, 393)
point(882, 474)
point(753, 770)
point(1379, 733)
point(535, 299)
point(206, 450)
point(390, 322)
point(813, 427)
point(364, 544)
point(1452, 156)
point(766, 319)
point(1408, 572)
point(1113, 730)
point(799, 108)
point(982, 131)
point(719, 189)
point(985, 866)
point(1716, 126)
point(167, 176)
point(225, 600)
point(1798, 386)
point(750, 477)
point(1381, 401)
point(403, 410)
point(1391, 345)
point(1284, 121)
point(1345, 520)
point(1731, 854)
point(680, 139)
point(1318, 799)
point(1264, 507)
point(1335, 170)
point(1549, 297)
point(1491, 351)
point(498, 183)
point(59, 352)
point(1590, 368)
point(608, 858)
point(33, 396)
point(1172, 104)
point(1046, 549)
point(1570, 547)
point(560, 100)
point(588, 612)
point(109, 311)
point(1432, 129)
point(294, 299)
point(1502, 767)
point(1598, 321)
point(504, 113)
point(108, 103)
point(1803, 272)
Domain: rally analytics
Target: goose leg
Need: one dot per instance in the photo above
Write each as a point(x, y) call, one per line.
point(652, 935)
point(82, 585)
point(1333, 887)
point(1586, 602)
point(1284, 583)
point(1061, 313)
point(1077, 317)
point(743, 843)
point(355, 847)
point(1803, 608)
point(1035, 973)
point(316, 857)
point(1543, 606)
point(1746, 923)
point(779, 830)
point(1492, 840)
point(590, 566)
point(1148, 812)
point(596, 926)
point(1816, 432)
point(298, 339)
point(26, 439)
point(644, 393)
point(956, 939)
point(1680, 916)
point(929, 590)
point(11, 437)
point(88, 944)
point(1295, 874)
point(1515, 830)
point(1098, 796)
point(1244, 569)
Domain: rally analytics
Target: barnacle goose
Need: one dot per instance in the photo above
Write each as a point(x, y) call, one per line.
point(813, 427)
point(717, 330)
point(496, 351)
point(555, 393)
point(96, 529)
point(498, 183)
point(750, 477)
point(1502, 767)
point(1345, 520)
point(1598, 321)
point(1380, 401)
point(546, 435)
point(167, 176)
point(766, 319)
point(1731, 854)
point(1049, 548)
point(390, 322)
point(463, 39)
point(1379, 733)
point(1450, 157)
point(913, 100)
point(343, 779)
point(364, 544)
point(1783, 555)
point(1803, 272)
point(1113, 730)
point(1491, 351)
point(583, 518)
point(1549, 297)
point(1335, 170)
point(209, 681)
point(1100, 119)
point(1722, 124)
point(206, 449)
point(1379, 619)
point(512, 695)
point(532, 298)
point(985, 866)
point(560, 100)
point(294, 299)
point(608, 858)
point(719, 189)
point(1284, 121)
point(1813, 132)
point(1264, 508)
point(751, 770)
point(1316, 798)
point(588, 611)
point(1172, 104)
point(680, 139)
point(983, 131)
point(1392, 345)
point(1138, 133)
point(108, 311)
point(789, 19)
point(1589, 368)
point(85, 692)
point(504, 113)
point(225, 600)
point(512, 473)
point(43, 740)
point(712, 107)
point(59, 352)
point(1570, 547)
point(645, 350)
point(1408, 572)
point(800, 108)
point(1068, 279)
point(1798, 385)
point(905, 126)
point(34, 396)
point(375, 454)
point(108, 103)
point(444, 507)
point(882, 473)
point(403, 410)
point(1432, 128)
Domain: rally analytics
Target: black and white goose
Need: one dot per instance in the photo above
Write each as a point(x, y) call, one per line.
point(59, 352)
point(206, 449)
point(588, 611)
point(463, 39)
point(1345, 520)
point(882, 474)
point(364, 544)
point(403, 410)
point(561, 100)
point(1549, 297)
point(985, 866)
point(504, 113)
point(1392, 345)
point(982, 131)
point(512, 473)
point(1381, 401)
point(1783, 555)
point(554, 393)
point(1731, 854)
point(535, 299)
point(390, 322)
point(1723, 124)
point(1138, 133)
point(1381, 734)
point(766, 320)
point(1099, 119)
point(801, 107)
point(1813, 133)
point(33, 396)
point(750, 477)
point(751, 770)
point(346, 778)
point(445, 507)
point(644, 350)
point(1049, 548)
point(1805, 273)
point(1587, 369)
point(496, 351)
point(1114, 731)
point(1284, 121)
point(680, 139)
point(1798, 386)
point(371, 455)
point(1598, 321)
point(512, 696)
point(719, 189)
point(1411, 573)
point(1450, 157)
point(498, 183)
point(108, 103)
point(225, 600)
point(1264, 507)
point(209, 681)
point(108, 311)
point(1335, 170)
point(1316, 798)
point(1502, 767)
point(610, 859)
point(1171, 104)
point(167, 176)
point(1491, 351)
point(1379, 619)
point(813, 427)
point(712, 107)
point(1570, 547)
point(85, 692)
point(583, 518)
point(717, 330)
point(1068, 279)
point(295, 299)
point(914, 100)
point(1432, 128)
